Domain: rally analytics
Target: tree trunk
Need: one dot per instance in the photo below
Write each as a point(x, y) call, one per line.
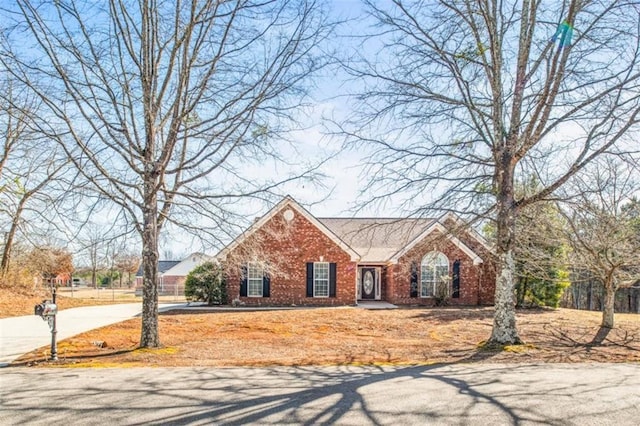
point(6, 254)
point(504, 321)
point(608, 306)
point(149, 335)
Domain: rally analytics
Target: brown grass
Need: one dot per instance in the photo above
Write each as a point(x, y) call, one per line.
point(350, 336)
point(20, 301)
point(17, 301)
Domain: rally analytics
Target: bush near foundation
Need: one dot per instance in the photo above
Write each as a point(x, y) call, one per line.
point(206, 283)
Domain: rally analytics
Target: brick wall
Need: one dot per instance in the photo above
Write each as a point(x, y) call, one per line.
point(477, 283)
point(286, 247)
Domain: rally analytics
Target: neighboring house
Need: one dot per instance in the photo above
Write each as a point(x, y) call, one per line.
point(290, 257)
point(173, 273)
point(63, 279)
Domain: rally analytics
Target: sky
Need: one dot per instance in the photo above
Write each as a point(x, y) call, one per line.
point(338, 193)
point(342, 191)
point(334, 195)
point(343, 181)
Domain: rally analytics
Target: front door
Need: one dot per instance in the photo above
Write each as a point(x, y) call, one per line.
point(368, 283)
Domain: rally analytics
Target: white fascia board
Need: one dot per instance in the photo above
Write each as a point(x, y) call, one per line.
point(475, 234)
point(186, 265)
point(222, 255)
point(288, 201)
point(437, 226)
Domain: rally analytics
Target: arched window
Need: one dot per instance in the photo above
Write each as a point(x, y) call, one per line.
point(434, 270)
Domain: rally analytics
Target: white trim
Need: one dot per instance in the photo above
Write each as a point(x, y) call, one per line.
point(315, 269)
point(438, 256)
point(377, 284)
point(291, 203)
point(261, 267)
point(437, 226)
point(179, 268)
point(475, 234)
point(357, 283)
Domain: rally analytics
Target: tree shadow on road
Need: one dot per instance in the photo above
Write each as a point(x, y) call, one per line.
point(453, 394)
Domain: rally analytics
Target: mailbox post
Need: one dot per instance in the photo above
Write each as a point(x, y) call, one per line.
point(47, 310)
point(54, 329)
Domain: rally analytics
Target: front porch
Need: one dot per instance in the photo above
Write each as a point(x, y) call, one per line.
point(375, 305)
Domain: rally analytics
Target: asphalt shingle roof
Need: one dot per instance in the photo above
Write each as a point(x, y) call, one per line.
point(163, 266)
point(377, 239)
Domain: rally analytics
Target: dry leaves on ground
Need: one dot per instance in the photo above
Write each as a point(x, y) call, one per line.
point(350, 336)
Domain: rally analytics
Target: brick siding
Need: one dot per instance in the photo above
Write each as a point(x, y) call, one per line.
point(477, 282)
point(287, 247)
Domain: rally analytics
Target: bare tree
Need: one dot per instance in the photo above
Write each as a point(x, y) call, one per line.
point(463, 99)
point(129, 263)
point(93, 242)
point(172, 109)
point(602, 230)
point(30, 171)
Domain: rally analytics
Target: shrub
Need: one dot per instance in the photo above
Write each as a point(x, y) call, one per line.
point(441, 295)
point(536, 292)
point(206, 283)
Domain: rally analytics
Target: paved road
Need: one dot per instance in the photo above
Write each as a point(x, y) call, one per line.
point(19, 335)
point(483, 394)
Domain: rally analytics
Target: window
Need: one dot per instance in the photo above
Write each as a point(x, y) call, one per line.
point(255, 275)
point(321, 279)
point(434, 271)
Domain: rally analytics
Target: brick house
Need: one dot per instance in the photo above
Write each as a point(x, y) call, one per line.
point(173, 273)
point(290, 257)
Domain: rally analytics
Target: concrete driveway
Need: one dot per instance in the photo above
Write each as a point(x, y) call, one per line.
point(482, 394)
point(19, 335)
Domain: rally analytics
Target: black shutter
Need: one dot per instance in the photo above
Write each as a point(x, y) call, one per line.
point(243, 281)
point(266, 285)
point(332, 280)
point(414, 280)
point(456, 280)
point(309, 279)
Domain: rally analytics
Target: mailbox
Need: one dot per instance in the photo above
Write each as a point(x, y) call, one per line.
point(46, 309)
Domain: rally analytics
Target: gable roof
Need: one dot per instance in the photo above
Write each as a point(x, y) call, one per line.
point(178, 267)
point(437, 226)
point(291, 203)
point(186, 265)
point(369, 240)
point(163, 266)
point(472, 232)
point(377, 239)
